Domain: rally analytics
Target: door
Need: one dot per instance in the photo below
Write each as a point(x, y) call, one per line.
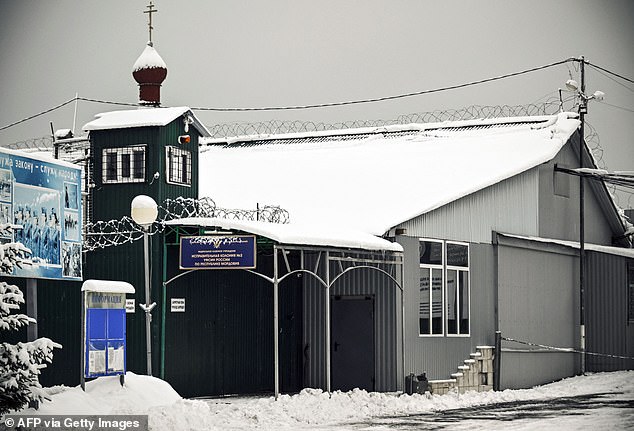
point(352, 350)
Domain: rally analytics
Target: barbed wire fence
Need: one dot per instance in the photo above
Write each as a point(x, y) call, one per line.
point(103, 234)
point(230, 130)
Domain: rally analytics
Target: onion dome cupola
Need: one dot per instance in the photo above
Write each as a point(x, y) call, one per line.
point(149, 71)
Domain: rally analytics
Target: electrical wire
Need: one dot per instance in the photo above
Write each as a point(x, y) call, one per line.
point(385, 98)
point(333, 104)
point(107, 102)
point(616, 106)
point(15, 123)
point(616, 81)
point(610, 72)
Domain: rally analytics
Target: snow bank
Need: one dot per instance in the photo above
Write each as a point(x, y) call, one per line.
point(310, 409)
point(105, 395)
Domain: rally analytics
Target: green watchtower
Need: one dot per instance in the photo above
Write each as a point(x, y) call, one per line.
point(149, 151)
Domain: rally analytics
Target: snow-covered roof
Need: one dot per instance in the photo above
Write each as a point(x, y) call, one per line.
point(618, 251)
point(149, 59)
point(296, 234)
point(374, 179)
point(143, 117)
point(107, 286)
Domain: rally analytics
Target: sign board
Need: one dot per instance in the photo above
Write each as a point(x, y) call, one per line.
point(130, 306)
point(218, 252)
point(43, 198)
point(177, 305)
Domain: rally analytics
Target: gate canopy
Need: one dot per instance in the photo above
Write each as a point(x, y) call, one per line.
point(349, 250)
point(296, 234)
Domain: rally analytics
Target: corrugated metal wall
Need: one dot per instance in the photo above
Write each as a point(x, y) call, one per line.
point(607, 327)
point(440, 356)
point(59, 310)
point(538, 302)
point(559, 215)
point(358, 282)
point(475, 216)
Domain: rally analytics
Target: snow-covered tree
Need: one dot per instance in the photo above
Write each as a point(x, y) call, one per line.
point(21, 363)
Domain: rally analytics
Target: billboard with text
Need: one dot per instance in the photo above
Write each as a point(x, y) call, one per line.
point(42, 198)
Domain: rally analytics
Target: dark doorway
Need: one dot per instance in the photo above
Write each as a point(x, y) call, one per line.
point(352, 352)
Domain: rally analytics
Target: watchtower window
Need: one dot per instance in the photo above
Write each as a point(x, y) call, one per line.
point(179, 166)
point(124, 165)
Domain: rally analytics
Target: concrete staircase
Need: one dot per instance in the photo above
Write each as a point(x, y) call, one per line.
point(475, 375)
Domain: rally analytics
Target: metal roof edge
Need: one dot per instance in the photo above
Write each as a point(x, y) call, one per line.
point(518, 240)
point(360, 240)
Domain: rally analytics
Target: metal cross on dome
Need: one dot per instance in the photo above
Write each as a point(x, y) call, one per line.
point(150, 10)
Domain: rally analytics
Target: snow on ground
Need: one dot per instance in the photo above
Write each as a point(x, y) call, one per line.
point(310, 409)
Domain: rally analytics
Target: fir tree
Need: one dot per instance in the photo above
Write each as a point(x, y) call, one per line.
point(21, 363)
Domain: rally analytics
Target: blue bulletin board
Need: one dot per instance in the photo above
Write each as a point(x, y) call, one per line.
point(105, 348)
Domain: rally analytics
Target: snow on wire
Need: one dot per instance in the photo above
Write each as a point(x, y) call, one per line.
point(103, 234)
point(566, 349)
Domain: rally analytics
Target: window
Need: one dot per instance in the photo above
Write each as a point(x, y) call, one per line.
point(179, 166)
point(444, 292)
point(431, 282)
point(457, 288)
point(123, 165)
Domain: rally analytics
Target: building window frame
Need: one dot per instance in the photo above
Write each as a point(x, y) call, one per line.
point(458, 270)
point(122, 165)
point(431, 268)
point(178, 166)
point(463, 270)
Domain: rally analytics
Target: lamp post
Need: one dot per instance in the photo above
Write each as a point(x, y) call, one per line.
point(144, 212)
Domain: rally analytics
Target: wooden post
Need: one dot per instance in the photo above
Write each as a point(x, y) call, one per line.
point(497, 361)
point(31, 308)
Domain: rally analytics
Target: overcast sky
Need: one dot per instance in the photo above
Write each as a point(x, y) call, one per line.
point(294, 52)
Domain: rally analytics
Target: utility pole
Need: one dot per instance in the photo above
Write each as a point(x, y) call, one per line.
point(583, 109)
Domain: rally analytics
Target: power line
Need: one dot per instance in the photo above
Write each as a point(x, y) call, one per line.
point(616, 106)
point(610, 72)
point(614, 80)
point(15, 123)
point(107, 102)
point(382, 99)
point(61, 105)
point(333, 104)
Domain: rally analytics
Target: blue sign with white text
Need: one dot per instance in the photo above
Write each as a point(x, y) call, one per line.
point(218, 252)
point(42, 198)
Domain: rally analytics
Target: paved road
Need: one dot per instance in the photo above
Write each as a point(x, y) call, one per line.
point(598, 411)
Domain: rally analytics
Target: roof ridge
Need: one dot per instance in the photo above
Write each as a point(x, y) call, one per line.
point(394, 130)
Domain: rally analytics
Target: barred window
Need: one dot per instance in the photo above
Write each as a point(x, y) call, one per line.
point(123, 165)
point(179, 166)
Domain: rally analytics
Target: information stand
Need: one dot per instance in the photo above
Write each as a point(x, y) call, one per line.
point(103, 328)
